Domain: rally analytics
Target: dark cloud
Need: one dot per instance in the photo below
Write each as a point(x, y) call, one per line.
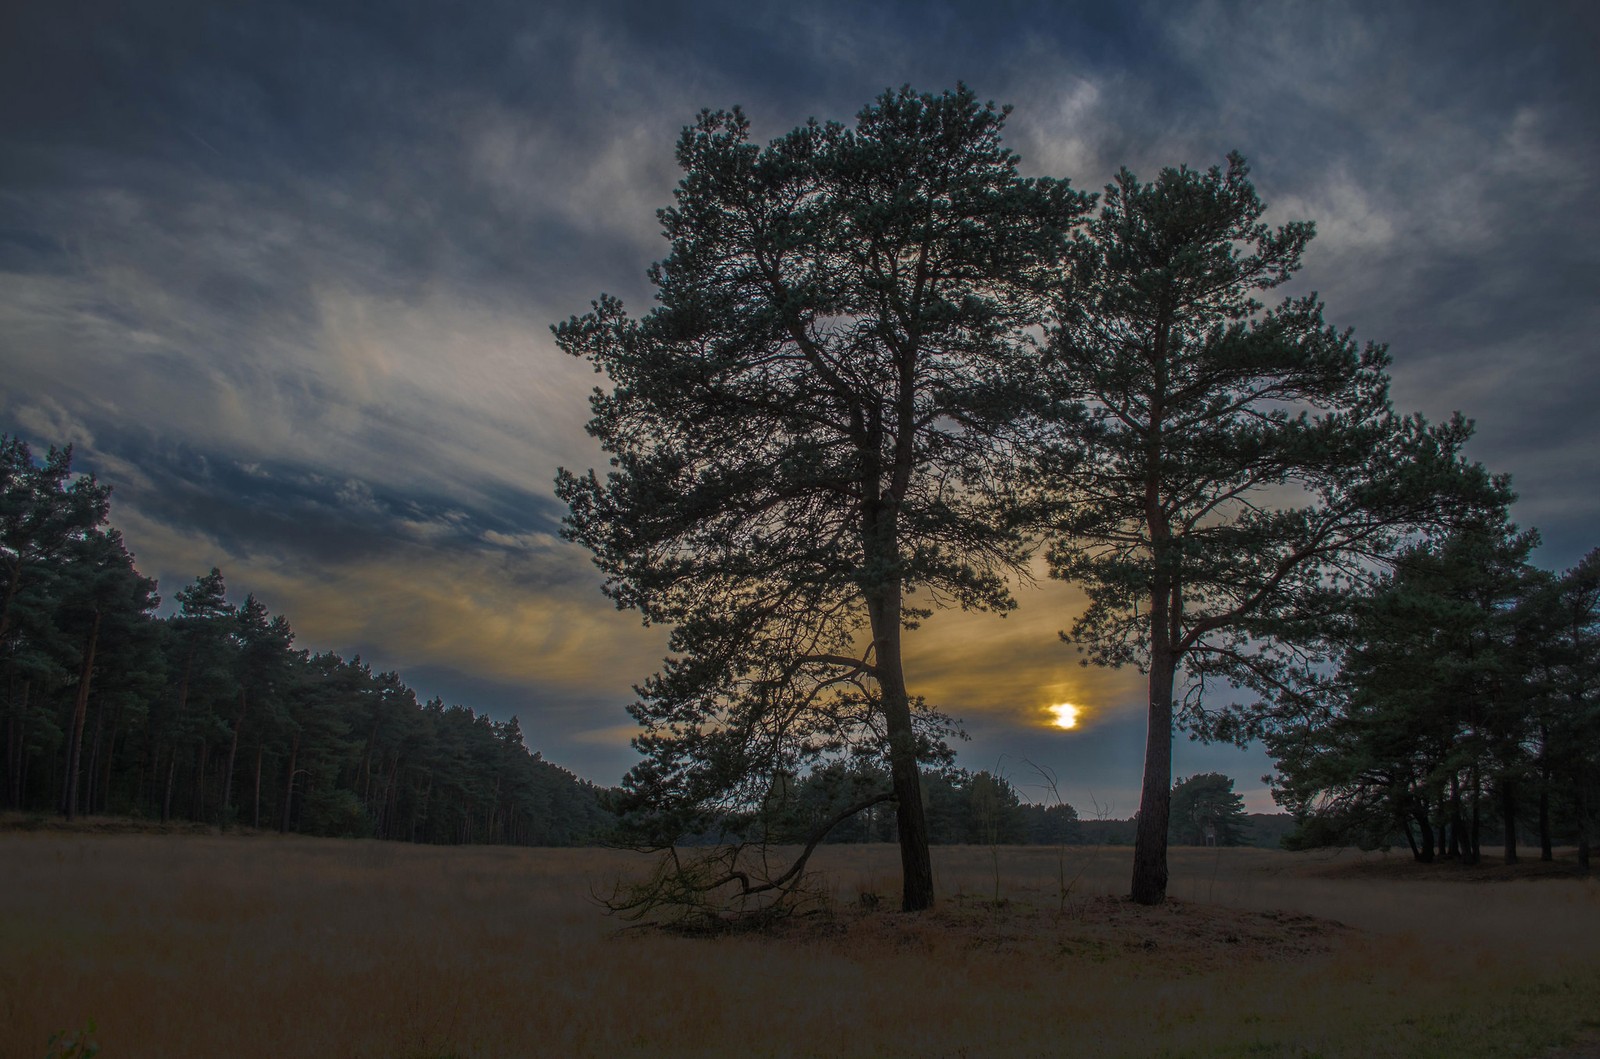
point(279, 510)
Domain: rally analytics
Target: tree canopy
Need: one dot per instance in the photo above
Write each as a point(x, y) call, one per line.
point(213, 716)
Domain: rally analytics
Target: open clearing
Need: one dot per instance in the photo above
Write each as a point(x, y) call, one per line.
point(204, 945)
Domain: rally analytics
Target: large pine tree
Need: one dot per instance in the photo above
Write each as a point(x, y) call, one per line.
point(1221, 470)
point(804, 433)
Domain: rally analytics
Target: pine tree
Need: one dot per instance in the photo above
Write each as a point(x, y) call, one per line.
point(1431, 709)
point(1207, 812)
point(1221, 472)
point(805, 433)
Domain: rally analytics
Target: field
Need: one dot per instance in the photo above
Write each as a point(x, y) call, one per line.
point(204, 945)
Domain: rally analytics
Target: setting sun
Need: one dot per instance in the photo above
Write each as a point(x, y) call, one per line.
point(1065, 715)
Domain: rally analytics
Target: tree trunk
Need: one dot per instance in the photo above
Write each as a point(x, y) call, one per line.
point(419, 813)
point(1155, 800)
point(915, 863)
point(1546, 846)
point(386, 817)
point(1474, 852)
point(1426, 854)
point(199, 812)
point(288, 787)
point(19, 736)
point(1455, 851)
point(110, 756)
point(149, 759)
point(1508, 809)
point(80, 711)
point(233, 752)
point(172, 775)
point(96, 743)
point(1583, 822)
point(255, 815)
point(366, 766)
point(177, 731)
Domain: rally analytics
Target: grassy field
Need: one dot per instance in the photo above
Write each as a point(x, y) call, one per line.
point(196, 945)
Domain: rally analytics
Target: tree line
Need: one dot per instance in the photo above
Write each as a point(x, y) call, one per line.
point(985, 808)
point(213, 715)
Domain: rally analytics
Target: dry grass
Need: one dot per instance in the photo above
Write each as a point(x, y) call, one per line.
point(183, 945)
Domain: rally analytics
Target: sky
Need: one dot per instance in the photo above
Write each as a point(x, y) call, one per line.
point(283, 274)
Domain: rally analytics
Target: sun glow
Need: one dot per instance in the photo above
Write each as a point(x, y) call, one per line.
point(1064, 715)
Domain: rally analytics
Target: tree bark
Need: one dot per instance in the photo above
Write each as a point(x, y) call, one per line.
point(201, 755)
point(1411, 838)
point(288, 787)
point(233, 752)
point(915, 862)
point(103, 799)
point(96, 742)
point(1474, 853)
point(1155, 800)
point(80, 711)
point(1455, 850)
point(391, 799)
point(1426, 856)
point(255, 816)
point(17, 755)
point(172, 775)
point(1583, 821)
point(177, 730)
point(1508, 809)
point(1546, 845)
point(419, 812)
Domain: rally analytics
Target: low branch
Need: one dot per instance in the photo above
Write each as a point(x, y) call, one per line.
point(743, 878)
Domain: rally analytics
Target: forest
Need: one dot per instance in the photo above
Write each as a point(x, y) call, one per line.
point(213, 715)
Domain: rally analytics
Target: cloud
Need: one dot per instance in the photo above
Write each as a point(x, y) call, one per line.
point(530, 618)
point(44, 417)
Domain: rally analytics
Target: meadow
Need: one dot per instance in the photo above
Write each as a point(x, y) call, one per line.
point(245, 946)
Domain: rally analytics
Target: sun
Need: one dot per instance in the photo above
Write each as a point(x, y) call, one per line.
point(1064, 715)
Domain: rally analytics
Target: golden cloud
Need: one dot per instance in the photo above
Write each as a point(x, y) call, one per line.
point(430, 607)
